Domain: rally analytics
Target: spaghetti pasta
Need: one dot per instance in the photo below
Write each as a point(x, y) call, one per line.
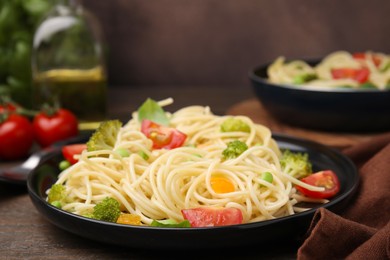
point(161, 183)
point(338, 69)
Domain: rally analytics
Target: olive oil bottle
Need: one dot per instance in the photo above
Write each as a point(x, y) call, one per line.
point(68, 63)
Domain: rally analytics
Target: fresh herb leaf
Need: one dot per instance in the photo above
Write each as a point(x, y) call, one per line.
point(151, 110)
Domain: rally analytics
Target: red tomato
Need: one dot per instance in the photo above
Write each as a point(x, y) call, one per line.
point(363, 56)
point(361, 75)
point(69, 151)
point(212, 217)
point(162, 137)
point(49, 129)
point(16, 137)
point(327, 179)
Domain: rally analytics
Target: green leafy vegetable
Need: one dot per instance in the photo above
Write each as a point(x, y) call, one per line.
point(234, 149)
point(151, 110)
point(18, 21)
point(170, 223)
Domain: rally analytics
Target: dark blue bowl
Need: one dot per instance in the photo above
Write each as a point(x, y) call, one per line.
point(341, 109)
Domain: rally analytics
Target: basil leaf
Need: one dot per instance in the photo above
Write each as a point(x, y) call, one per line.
point(151, 110)
point(170, 223)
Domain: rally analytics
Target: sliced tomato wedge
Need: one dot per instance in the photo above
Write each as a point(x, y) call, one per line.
point(360, 75)
point(327, 179)
point(162, 137)
point(69, 151)
point(212, 217)
point(363, 56)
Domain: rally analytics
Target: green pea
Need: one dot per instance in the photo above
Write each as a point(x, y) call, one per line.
point(267, 176)
point(123, 152)
point(57, 204)
point(64, 165)
point(143, 155)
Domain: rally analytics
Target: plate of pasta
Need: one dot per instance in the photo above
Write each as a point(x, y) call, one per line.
point(342, 91)
point(189, 179)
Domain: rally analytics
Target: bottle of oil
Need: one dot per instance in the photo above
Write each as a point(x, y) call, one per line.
point(68, 64)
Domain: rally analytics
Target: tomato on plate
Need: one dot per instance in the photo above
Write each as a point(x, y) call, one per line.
point(327, 179)
point(360, 75)
point(212, 217)
point(50, 128)
point(16, 136)
point(69, 151)
point(363, 56)
point(162, 137)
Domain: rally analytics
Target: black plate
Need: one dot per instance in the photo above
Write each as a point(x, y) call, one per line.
point(260, 233)
point(330, 109)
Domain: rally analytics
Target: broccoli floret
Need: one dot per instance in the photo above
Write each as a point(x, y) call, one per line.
point(107, 210)
point(56, 195)
point(104, 137)
point(234, 125)
point(234, 149)
point(296, 164)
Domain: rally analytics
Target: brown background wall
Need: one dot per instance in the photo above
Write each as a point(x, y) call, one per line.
point(216, 42)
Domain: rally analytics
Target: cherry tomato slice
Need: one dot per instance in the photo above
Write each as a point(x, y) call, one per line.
point(212, 217)
point(162, 137)
point(363, 56)
point(327, 179)
point(69, 151)
point(360, 75)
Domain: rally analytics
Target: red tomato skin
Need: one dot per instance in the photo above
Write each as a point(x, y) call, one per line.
point(162, 137)
point(321, 178)
point(212, 217)
point(362, 56)
point(360, 75)
point(50, 129)
point(68, 151)
point(16, 137)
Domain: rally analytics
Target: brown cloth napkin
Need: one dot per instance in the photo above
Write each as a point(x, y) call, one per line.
point(362, 230)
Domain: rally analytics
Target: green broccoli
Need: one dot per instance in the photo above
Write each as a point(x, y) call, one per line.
point(234, 149)
point(107, 210)
point(296, 164)
point(56, 195)
point(105, 136)
point(234, 124)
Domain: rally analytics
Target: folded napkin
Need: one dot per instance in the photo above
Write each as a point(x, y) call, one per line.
point(362, 230)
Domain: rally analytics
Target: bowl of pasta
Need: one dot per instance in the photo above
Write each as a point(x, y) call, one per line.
point(340, 92)
point(189, 179)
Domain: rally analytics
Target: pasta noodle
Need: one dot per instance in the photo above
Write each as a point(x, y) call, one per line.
point(376, 64)
point(168, 181)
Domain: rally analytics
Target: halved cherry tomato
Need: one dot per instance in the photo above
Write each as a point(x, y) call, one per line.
point(361, 75)
point(363, 56)
point(212, 217)
point(162, 137)
point(327, 179)
point(69, 151)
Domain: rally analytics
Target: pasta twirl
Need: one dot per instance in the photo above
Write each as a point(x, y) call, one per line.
point(158, 183)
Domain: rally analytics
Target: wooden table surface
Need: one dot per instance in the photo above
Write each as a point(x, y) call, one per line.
point(25, 234)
